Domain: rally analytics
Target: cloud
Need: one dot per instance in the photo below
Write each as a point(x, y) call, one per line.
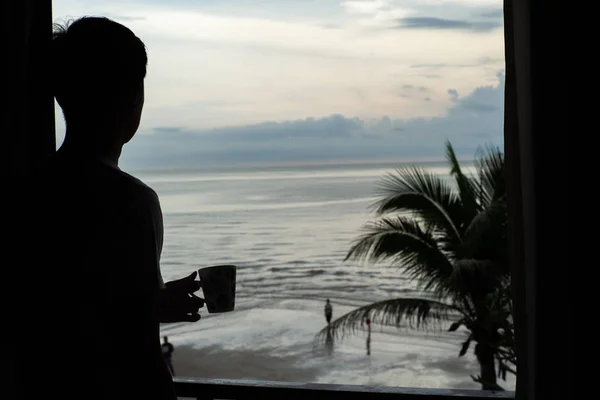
point(447, 24)
point(216, 63)
point(469, 16)
point(330, 26)
point(410, 91)
point(123, 18)
point(473, 120)
point(484, 99)
point(168, 129)
point(498, 13)
point(481, 62)
point(436, 65)
point(410, 87)
point(365, 7)
point(453, 93)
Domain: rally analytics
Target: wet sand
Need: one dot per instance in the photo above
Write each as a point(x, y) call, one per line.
point(216, 362)
point(277, 344)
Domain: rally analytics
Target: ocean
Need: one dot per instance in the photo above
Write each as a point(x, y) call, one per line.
point(288, 229)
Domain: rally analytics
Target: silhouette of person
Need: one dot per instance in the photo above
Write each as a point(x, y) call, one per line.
point(167, 351)
point(368, 336)
point(328, 311)
point(98, 231)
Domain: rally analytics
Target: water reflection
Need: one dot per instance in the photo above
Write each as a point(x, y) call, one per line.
point(329, 342)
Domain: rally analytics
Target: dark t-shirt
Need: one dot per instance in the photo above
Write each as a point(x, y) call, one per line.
point(91, 238)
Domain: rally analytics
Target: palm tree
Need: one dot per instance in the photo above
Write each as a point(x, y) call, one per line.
point(451, 240)
point(502, 318)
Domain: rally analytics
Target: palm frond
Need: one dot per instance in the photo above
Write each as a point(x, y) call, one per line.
point(486, 235)
point(420, 192)
point(491, 172)
point(465, 185)
point(403, 242)
point(417, 313)
point(475, 278)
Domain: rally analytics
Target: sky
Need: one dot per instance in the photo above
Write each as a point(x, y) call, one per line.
point(291, 80)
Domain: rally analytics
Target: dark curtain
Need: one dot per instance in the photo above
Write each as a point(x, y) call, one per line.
point(28, 120)
point(516, 157)
point(27, 128)
point(536, 148)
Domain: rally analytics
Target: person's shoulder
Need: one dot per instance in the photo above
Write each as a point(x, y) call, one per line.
point(70, 173)
point(135, 183)
point(141, 193)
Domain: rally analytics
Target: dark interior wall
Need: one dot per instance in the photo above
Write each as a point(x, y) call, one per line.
point(28, 116)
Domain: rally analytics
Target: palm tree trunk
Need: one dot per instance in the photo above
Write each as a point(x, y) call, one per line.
point(487, 367)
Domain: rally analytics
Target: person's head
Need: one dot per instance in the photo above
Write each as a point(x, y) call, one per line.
point(166, 339)
point(98, 71)
point(327, 300)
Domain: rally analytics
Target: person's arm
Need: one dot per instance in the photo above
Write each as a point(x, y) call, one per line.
point(176, 300)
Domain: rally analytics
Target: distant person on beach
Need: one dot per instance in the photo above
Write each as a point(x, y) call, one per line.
point(167, 351)
point(328, 311)
point(369, 337)
point(97, 232)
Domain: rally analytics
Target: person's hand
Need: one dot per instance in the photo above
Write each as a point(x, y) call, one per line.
point(178, 302)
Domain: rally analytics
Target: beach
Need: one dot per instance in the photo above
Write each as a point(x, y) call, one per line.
point(277, 344)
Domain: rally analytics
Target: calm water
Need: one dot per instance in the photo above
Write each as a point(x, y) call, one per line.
point(288, 229)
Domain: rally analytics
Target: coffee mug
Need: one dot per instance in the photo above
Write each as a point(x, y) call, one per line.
point(218, 287)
